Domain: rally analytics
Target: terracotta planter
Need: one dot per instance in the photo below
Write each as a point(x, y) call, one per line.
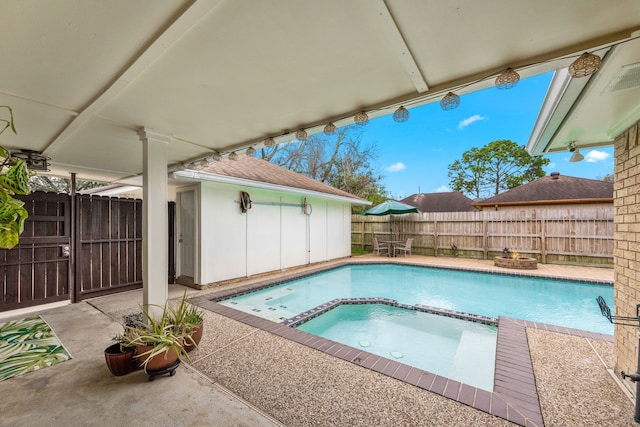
point(196, 336)
point(119, 362)
point(157, 362)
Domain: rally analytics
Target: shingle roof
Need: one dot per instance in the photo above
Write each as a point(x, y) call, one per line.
point(254, 169)
point(440, 202)
point(555, 188)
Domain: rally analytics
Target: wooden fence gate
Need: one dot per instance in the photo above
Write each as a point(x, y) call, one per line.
point(108, 245)
point(37, 270)
point(75, 248)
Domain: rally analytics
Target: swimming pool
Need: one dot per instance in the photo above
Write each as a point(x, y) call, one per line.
point(558, 302)
point(454, 348)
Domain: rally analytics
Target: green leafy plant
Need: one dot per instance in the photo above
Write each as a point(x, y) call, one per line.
point(14, 179)
point(132, 320)
point(158, 333)
point(185, 317)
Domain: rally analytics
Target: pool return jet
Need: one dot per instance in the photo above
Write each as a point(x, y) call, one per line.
point(626, 321)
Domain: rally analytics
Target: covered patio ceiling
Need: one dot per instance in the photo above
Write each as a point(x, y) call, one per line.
point(84, 76)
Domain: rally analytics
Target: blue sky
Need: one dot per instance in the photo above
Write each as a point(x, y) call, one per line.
point(414, 156)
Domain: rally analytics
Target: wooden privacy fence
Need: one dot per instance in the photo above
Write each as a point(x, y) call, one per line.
point(578, 236)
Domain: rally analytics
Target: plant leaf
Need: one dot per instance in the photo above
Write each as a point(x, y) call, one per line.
point(16, 179)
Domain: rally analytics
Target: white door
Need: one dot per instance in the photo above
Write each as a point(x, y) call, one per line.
point(186, 244)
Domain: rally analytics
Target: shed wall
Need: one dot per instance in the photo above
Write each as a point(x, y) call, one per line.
point(274, 234)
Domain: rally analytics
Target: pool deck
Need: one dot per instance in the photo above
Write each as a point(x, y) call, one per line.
point(249, 371)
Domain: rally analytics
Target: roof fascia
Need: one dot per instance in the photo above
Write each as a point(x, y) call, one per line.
point(223, 179)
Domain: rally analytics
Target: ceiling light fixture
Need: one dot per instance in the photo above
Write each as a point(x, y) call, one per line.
point(450, 101)
point(251, 151)
point(330, 129)
point(269, 142)
point(214, 157)
point(233, 156)
point(508, 79)
point(361, 118)
point(401, 115)
point(585, 65)
point(576, 156)
point(195, 165)
point(301, 135)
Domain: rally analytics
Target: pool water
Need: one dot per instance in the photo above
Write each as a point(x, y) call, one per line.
point(458, 349)
point(557, 302)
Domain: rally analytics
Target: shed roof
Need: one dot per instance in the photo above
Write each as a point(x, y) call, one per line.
point(453, 201)
point(554, 189)
point(254, 170)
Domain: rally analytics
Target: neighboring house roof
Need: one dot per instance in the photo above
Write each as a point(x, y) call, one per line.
point(554, 189)
point(440, 202)
point(252, 171)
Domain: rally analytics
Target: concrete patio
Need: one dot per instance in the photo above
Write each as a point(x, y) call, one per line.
point(243, 376)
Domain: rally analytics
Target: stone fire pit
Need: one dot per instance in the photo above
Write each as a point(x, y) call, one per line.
point(519, 263)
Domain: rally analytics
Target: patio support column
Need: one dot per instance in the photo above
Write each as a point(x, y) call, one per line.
point(154, 220)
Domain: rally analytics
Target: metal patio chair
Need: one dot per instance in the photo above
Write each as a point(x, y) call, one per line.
point(403, 248)
point(377, 247)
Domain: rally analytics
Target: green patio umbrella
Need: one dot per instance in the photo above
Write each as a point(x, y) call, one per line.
point(390, 207)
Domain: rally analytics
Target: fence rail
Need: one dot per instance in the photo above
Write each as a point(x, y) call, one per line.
point(572, 236)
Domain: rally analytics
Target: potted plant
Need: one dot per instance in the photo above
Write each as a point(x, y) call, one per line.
point(188, 321)
point(120, 356)
point(157, 345)
point(14, 177)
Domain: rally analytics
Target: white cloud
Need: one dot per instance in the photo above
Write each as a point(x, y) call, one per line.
point(468, 121)
point(396, 167)
point(550, 165)
point(594, 156)
point(443, 189)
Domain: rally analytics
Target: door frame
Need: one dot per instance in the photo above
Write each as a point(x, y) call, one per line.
point(180, 278)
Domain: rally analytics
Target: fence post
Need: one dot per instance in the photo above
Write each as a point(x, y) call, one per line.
point(485, 230)
point(435, 237)
point(543, 241)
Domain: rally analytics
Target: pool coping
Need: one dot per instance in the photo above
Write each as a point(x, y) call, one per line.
point(515, 396)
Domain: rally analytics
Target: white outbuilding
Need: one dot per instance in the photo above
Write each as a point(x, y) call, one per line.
point(239, 218)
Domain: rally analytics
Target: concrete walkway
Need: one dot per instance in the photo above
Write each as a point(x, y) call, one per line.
point(292, 383)
point(82, 391)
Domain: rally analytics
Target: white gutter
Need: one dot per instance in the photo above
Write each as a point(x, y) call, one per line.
point(224, 179)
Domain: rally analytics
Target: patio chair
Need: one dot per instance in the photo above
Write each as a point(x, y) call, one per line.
point(403, 248)
point(377, 247)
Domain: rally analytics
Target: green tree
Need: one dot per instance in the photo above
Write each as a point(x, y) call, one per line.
point(55, 184)
point(498, 166)
point(607, 178)
point(340, 160)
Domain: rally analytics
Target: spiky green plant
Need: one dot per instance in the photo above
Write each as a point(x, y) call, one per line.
point(185, 317)
point(159, 333)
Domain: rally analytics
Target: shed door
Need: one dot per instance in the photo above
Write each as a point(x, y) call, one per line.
point(186, 237)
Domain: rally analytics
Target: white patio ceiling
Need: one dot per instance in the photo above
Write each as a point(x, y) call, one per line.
point(84, 76)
